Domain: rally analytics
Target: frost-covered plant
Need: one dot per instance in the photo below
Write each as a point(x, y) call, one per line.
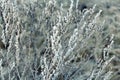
point(44, 41)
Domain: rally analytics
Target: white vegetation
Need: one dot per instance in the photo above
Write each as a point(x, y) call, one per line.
point(48, 42)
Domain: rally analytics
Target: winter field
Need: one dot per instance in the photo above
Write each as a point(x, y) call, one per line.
point(60, 40)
